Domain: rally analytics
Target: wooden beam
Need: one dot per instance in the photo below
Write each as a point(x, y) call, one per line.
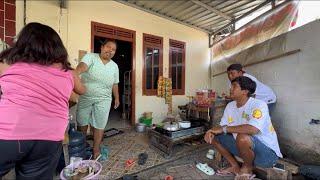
point(214, 10)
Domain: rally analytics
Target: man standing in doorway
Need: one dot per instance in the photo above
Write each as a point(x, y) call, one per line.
point(246, 131)
point(263, 92)
point(100, 74)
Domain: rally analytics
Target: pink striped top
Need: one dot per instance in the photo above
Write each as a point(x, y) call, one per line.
point(34, 103)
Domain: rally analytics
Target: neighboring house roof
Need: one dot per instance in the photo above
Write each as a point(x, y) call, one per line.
point(205, 15)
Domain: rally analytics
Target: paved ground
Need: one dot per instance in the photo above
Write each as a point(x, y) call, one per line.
point(183, 168)
point(130, 144)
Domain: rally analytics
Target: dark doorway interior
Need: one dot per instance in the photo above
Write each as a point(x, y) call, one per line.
point(120, 117)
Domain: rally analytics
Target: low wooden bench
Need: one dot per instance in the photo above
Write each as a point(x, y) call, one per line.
point(269, 173)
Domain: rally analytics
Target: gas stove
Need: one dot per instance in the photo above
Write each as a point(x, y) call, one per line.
point(197, 127)
point(164, 141)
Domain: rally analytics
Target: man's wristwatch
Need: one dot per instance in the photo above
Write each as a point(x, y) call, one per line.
point(224, 129)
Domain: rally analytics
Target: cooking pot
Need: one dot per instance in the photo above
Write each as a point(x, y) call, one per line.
point(185, 124)
point(171, 126)
point(140, 127)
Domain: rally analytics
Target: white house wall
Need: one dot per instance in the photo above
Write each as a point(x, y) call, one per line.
point(74, 26)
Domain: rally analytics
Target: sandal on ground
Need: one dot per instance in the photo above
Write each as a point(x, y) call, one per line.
point(210, 154)
point(129, 177)
point(104, 153)
point(129, 163)
point(223, 172)
point(205, 168)
point(142, 158)
point(245, 176)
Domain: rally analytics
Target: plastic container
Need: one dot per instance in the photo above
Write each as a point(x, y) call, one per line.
point(76, 138)
point(96, 164)
point(77, 143)
point(146, 121)
point(205, 97)
point(148, 115)
point(77, 149)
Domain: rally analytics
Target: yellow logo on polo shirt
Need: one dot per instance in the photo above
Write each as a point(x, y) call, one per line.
point(230, 119)
point(271, 129)
point(245, 116)
point(257, 113)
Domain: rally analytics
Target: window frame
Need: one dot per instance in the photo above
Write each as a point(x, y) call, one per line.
point(151, 41)
point(179, 46)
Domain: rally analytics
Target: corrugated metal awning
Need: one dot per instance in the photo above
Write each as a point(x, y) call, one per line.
point(205, 15)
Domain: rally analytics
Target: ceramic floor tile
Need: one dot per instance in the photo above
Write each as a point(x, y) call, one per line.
point(129, 145)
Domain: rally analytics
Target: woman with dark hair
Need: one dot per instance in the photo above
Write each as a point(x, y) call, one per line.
point(36, 81)
point(101, 76)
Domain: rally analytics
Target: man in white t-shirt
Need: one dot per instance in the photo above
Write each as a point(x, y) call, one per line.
point(246, 131)
point(263, 92)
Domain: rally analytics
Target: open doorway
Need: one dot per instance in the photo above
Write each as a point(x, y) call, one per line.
point(120, 117)
point(124, 57)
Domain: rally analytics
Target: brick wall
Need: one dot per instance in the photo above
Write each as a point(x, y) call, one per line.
point(7, 20)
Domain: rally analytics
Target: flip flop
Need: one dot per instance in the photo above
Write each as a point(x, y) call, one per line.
point(210, 154)
point(245, 175)
point(104, 153)
point(129, 163)
point(168, 177)
point(142, 158)
point(129, 177)
point(223, 172)
point(205, 168)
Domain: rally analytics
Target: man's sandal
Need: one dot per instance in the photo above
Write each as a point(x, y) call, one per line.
point(223, 172)
point(205, 168)
point(245, 176)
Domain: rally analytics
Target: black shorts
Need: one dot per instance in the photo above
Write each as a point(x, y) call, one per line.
point(32, 159)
